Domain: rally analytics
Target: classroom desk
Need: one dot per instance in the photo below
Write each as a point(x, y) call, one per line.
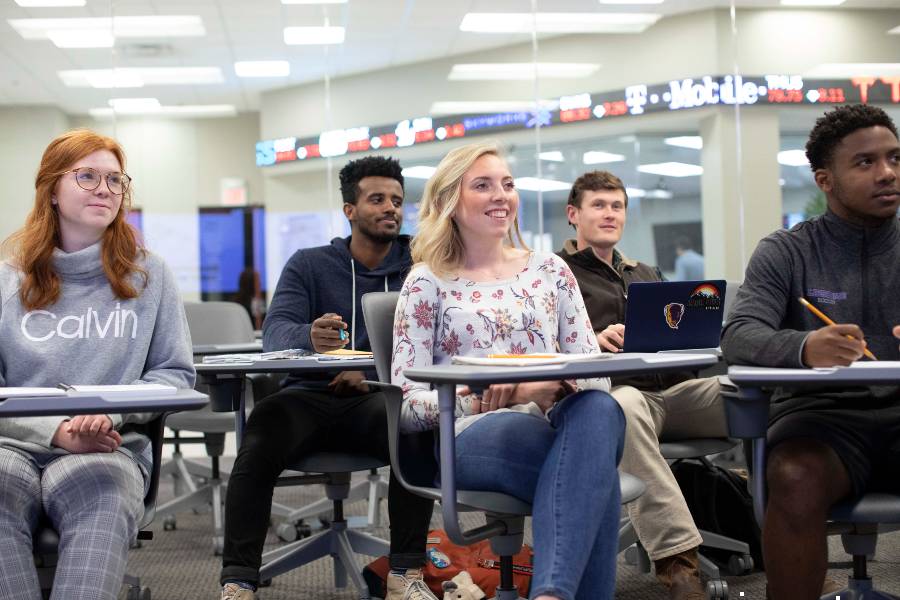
point(226, 381)
point(119, 404)
point(747, 409)
point(446, 377)
point(238, 348)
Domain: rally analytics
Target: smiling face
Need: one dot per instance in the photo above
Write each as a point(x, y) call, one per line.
point(862, 179)
point(599, 219)
point(488, 200)
point(84, 215)
point(378, 212)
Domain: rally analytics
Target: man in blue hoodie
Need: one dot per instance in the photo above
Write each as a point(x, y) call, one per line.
point(316, 307)
point(827, 445)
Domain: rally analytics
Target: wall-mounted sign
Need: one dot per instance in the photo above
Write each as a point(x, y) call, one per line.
point(681, 94)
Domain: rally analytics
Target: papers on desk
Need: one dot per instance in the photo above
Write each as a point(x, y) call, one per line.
point(345, 353)
point(228, 359)
point(524, 360)
point(88, 390)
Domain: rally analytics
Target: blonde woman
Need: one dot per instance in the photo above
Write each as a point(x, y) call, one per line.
point(476, 290)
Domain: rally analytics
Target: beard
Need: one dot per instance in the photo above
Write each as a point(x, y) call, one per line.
point(374, 234)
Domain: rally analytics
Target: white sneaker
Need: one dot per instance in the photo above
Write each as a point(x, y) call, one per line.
point(408, 587)
point(232, 591)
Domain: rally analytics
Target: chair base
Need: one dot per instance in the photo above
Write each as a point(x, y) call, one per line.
point(209, 494)
point(859, 589)
point(340, 543)
point(374, 489)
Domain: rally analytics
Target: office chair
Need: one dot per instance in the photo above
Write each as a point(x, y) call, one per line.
point(46, 539)
point(505, 515)
point(856, 520)
point(209, 323)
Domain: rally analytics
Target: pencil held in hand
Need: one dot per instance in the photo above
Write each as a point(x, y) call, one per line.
point(828, 321)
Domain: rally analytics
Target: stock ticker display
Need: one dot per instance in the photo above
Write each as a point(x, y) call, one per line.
point(636, 100)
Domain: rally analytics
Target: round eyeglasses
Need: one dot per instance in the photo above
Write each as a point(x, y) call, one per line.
point(89, 179)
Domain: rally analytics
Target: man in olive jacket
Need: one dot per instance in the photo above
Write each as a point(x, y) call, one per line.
point(669, 407)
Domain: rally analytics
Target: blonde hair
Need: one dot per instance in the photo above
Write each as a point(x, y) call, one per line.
point(438, 244)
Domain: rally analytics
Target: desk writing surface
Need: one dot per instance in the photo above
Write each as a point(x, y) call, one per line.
point(297, 366)
point(634, 363)
point(182, 399)
point(882, 372)
point(204, 349)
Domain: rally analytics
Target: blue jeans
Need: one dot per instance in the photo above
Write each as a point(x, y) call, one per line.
point(567, 469)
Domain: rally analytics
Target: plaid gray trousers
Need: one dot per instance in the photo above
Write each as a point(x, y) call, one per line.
point(94, 501)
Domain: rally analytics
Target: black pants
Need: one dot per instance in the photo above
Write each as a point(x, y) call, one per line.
point(286, 426)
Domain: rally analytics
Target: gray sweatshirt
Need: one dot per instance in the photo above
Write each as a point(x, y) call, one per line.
point(848, 272)
point(91, 337)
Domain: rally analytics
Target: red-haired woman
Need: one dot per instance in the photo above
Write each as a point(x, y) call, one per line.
point(81, 303)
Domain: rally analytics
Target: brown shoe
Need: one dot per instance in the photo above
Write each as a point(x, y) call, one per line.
point(680, 574)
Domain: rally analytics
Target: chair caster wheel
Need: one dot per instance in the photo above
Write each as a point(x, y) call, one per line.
point(135, 544)
point(136, 593)
point(291, 532)
point(740, 565)
point(265, 583)
point(169, 523)
point(717, 589)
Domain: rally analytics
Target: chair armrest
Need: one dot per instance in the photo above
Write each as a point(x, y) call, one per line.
point(747, 412)
point(447, 436)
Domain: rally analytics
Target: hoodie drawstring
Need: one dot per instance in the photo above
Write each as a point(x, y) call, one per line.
point(353, 315)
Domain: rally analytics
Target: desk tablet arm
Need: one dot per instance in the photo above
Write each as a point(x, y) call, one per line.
point(747, 412)
point(447, 495)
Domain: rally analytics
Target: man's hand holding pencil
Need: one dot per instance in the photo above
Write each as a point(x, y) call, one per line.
point(833, 345)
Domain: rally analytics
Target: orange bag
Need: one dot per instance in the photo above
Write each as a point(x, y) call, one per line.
point(478, 559)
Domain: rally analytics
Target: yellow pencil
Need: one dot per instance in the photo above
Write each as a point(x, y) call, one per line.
point(828, 321)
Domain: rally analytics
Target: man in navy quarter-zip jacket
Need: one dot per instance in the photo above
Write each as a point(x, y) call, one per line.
point(827, 445)
point(317, 307)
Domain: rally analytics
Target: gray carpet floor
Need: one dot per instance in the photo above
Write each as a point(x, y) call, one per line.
point(180, 565)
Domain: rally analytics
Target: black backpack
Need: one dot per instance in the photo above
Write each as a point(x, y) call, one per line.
point(720, 503)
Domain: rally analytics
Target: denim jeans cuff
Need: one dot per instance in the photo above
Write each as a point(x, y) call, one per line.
point(248, 574)
point(407, 560)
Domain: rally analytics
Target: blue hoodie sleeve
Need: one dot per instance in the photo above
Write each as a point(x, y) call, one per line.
point(290, 317)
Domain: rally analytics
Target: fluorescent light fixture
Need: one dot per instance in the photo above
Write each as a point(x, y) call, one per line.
point(295, 36)
point(82, 38)
point(186, 111)
point(792, 158)
point(314, 1)
point(419, 172)
point(534, 184)
point(139, 77)
point(262, 68)
point(632, 1)
point(659, 194)
point(671, 169)
point(635, 192)
point(552, 155)
point(558, 22)
point(894, 31)
point(49, 3)
point(811, 2)
point(119, 27)
point(520, 71)
point(827, 70)
point(694, 142)
point(598, 157)
point(482, 107)
point(134, 105)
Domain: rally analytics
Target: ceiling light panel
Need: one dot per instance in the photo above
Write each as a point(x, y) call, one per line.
point(672, 169)
point(119, 27)
point(534, 184)
point(552, 156)
point(597, 157)
point(520, 71)
point(81, 38)
point(296, 36)
point(419, 172)
point(134, 105)
point(262, 68)
point(557, 22)
point(442, 108)
point(694, 142)
point(793, 158)
point(186, 111)
point(811, 2)
point(50, 3)
point(139, 77)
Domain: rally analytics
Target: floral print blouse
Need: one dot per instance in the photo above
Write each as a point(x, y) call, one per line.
point(540, 310)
